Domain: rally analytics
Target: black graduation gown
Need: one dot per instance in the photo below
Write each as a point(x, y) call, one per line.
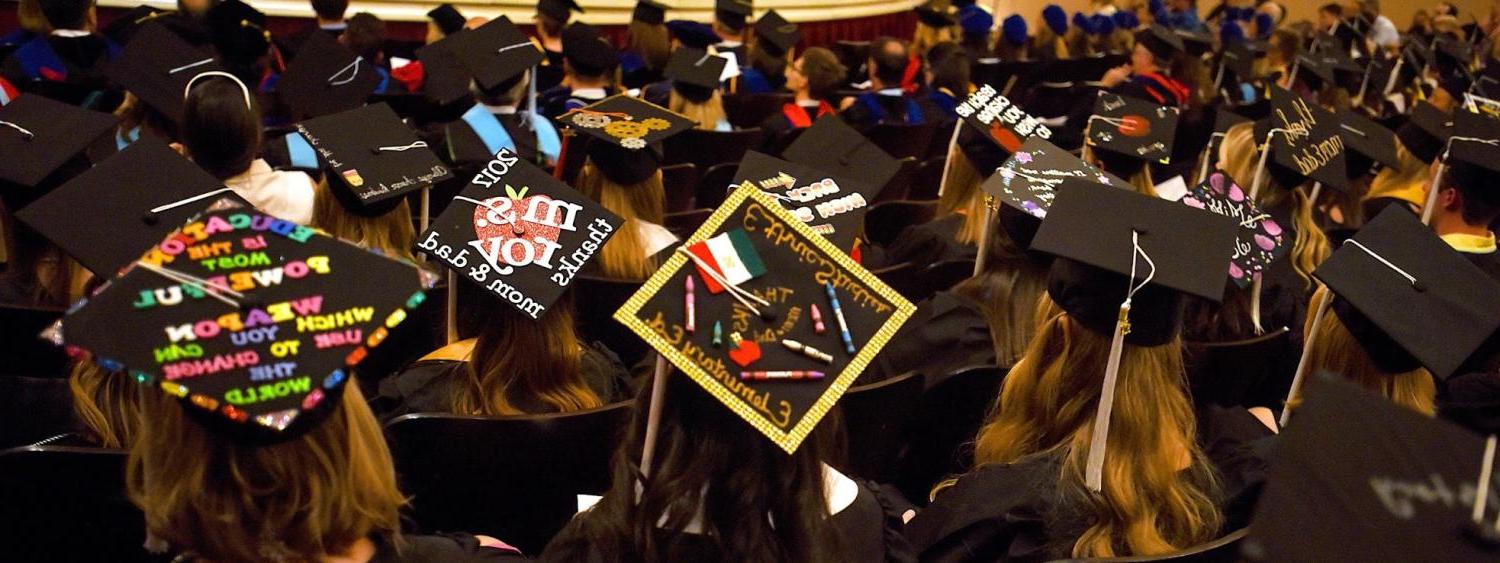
point(1490, 263)
point(872, 108)
point(929, 243)
point(948, 322)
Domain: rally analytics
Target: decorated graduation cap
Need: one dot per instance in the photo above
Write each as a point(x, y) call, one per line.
point(732, 13)
point(1161, 41)
point(758, 274)
point(1260, 239)
point(131, 200)
point(372, 158)
point(519, 233)
point(649, 12)
point(157, 66)
point(253, 322)
point(447, 18)
point(693, 34)
point(43, 141)
point(833, 146)
point(831, 205)
point(1133, 127)
point(1029, 179)
point(1125, 261)
point(585, 48)
point(1426, 133)
point(494, 52)
point(1359, 478)
point(933, 17)
point(1368, 142)
point(777, 33)
point(695, 73)
point(559, 10)
point(327, 78)
point(626, 133)
point(1305, 139)
point(1002, 121)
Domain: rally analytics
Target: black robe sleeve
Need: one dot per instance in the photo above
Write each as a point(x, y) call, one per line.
point(997, 513)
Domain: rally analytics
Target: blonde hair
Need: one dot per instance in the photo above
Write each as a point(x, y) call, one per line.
point(926, 36)
point(708, 114)
point(624, 256)
point(1140, 181)
point(108, 403)
point(1048, 41)
point(1408, 181)
point(1239, 153)
point(962, 196)
point(518, 358)
point(1150, 503)
point(1334, 349)
point(391, 233)
point(221, 500)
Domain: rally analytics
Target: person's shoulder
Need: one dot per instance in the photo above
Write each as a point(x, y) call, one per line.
point(445, 548)
point(988, 509)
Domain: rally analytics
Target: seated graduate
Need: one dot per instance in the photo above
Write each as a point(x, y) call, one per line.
point(1151, 75)
point(886, 102)
point(443, 21)
point(365, 35)
point(152, 106)
point(1108, 148)
point(328, 18)
point(221, 132)
point(1060, 471)
point(719, 490)
point(1014, 41)
point(812, 78)
point(647, 46)
point(694, 78)
point(551, 20)
point(975, 27)
point(947, 75)
point(588, 62)
point(1419, 142)
point(1048, 43)
point(953, 234)
point(934, 26)
point(1467, 202)
point(245, 50)
point(71, 53)
point(731, 26)
point(775, 38)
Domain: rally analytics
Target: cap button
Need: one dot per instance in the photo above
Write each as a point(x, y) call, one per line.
point(150, 218)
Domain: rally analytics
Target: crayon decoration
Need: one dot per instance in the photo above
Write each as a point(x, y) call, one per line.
point(808, 351)
point(718, 334)
point(817, 319)
point(838, 314)
point(792, 375)
point(688, 305)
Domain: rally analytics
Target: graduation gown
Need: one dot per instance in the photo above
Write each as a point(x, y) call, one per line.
point(891, 106)
point(55, 58)
point(929, 243)
point(948, 322)
point(1489, 262)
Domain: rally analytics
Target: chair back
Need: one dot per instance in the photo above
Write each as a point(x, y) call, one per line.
point(749, 110)
point(947, 419)
point(598, 300)
point(707, 148)
point(62, 503)
point(515, 478)
point(874, 416)
point(680, 182)
point(33, 409)
point(903, 140)
point(1223, 550)
point(1253, 372)
point(713, 186)
point(928, 181)
point(887, 219)
point(22, 351)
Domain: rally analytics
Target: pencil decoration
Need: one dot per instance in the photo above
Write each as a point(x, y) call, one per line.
point(688, 304)
point(791, 375)
point(817, 318)
point(838, 315)
point(809, 351)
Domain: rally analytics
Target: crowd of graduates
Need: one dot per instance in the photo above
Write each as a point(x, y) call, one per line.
point(1099, 303)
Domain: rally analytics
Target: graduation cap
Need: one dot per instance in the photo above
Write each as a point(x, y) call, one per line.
point(112, 213)
point(1239, 57)
point(253, 322)
point(559, 10)
point(1408, 297)
point(693, 34)
point(1451, 54)
point(1125, 261)
point(831, 145)
point(586, 49)
point(372, 158)
point(775, 364)
point(1359, 478)
point(776, 32)
point(1161, 41)
point(933, 17)
point(1002, 121)
point(239, 31)
point(519, 233)
point(492, 53)
point(1367, 141)
point(1195, 42)
point(1260, 239)
point(1417, 55)
point(1473, 156)
point(1029, 179)
point(445, 78)
point(124, 27)
point(447, 18)
point(732, 13)
point(1133, 127)
point(630, 130)
point(830, 205)
point(157, 66)
point(649, 12)
point(695, 73)
point(41, 138)
point(1306, 139)
point(327, 78)
point(1426, 133)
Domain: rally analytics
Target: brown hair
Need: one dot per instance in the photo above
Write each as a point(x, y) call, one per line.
point(708, 114)
point(1239, 154)
point(365, 35)
point(1007, 292)
point(823, 71)
point(108, 403)
point(651, 43)
point(220, 133)
point(624, 256)
point(221, 500)
point(391, 232)
point(1334, 349)
point(536, 361)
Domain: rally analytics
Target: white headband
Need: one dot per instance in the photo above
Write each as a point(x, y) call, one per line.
point(243, 89)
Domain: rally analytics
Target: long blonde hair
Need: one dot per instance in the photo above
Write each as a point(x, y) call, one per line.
point(518, 358)
point(624, 256)
point(1334, 349)
point(962, 196)
point(391, 233)
point(1150, 503)
point(108, 403)
point(1239, 154)
point(708, 114)
point(307, 498)
point(1407, 182)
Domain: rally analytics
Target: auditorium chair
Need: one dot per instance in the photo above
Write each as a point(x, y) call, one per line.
point(749, 110)
point(707, 148)
point(897, 187)
point(679, 182)
point(61, 503)
point(874, 416)
point(928, 181)
point(515, 478)
point(713, 185)
point(598, 300)
point(1223, 550)
point(901, 140)
point(938, 440)
point(886, 220)
point(22, 351)
point(1252, 372)
point(33, 409)
point(686, 223)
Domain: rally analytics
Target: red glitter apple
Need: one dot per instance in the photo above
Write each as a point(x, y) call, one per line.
point(494, 235)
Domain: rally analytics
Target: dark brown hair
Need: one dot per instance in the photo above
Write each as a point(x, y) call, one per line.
point(221, 134)
point(519, 363)
point(823, 71)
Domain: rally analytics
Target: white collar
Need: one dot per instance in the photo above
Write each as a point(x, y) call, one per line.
point(500, 110)
point(839, 492)
point(810, 103)
point(728, 44)
point(890, 92)
point(589, 93)
point(71, 33)
point(336, 26)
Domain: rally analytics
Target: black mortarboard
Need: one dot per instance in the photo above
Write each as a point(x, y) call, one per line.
point(157, 66)
point(371, 157)
point(1132, 127)
point(1313, 65)
point(984, 154)
point(254, 322)
point(755, 245)
point(445, 79)
point(448, 19)
point(1196, 42)
point(933, 17)
point(1260, 239)
point(584, 48)
point(649, 12)
point(494, 52)
point(695, 73)
point(1318, 153)
point(38, 137)
point(1223, 120)
point(1408, 297)
point(1487, 82)
point(111, 214)
point(1367, 139)
point(1358, 478)
point(732, 13)
point(1239, 57)
point(627, 132)
point(831, 206)
point(774, 31)
point(1473, 157)
point(559, 10)
point(1425, 134)
point(1029, 179)
point(693, 34)
point(1090, 227)
point(1451, 54)
point(519, 233)
point(326, 78)
point(1417, 54)
point(833, 146)
point(1161, 41)
point(126, 25)
point(239, 31)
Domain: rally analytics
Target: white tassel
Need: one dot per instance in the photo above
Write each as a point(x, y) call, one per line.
point(1255, 288)
point(1094, 470)
point(1307, 341)
point(1432, 191)
point(1482, 488)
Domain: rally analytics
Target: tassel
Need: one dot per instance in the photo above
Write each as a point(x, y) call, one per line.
point(1307, 340)
point(1094, 470)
